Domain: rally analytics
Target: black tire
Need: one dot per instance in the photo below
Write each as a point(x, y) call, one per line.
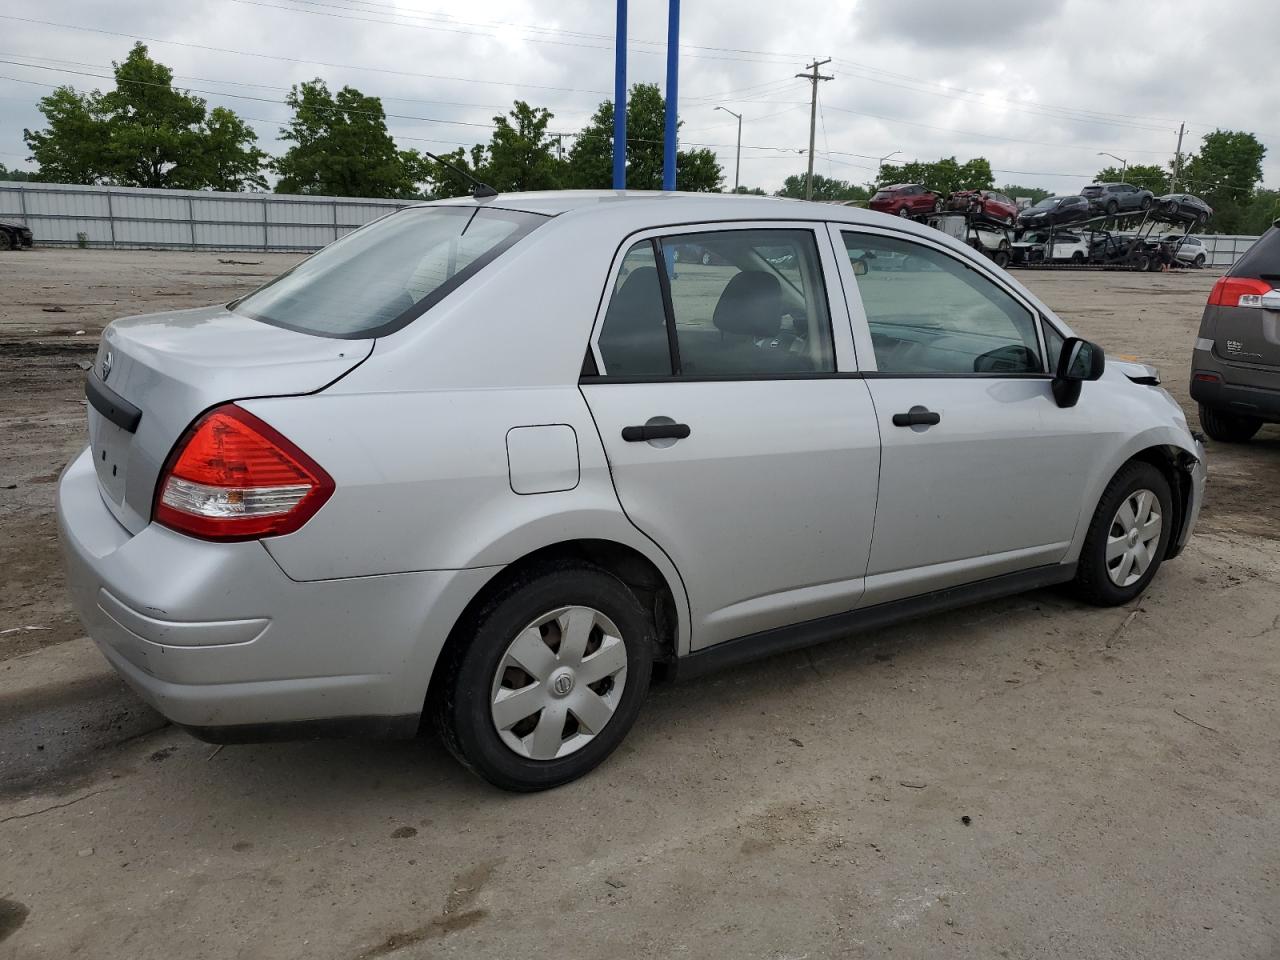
point(1113, 207)
point(1198, 262)
point(937, 205)
point(462, 706)
point(1142, 263)
point(1077, 257)
point(1146, 203)
point(1093, 584)
point(1228, 427)
point(6, 240)
point(1000, 258)
point(903, 211)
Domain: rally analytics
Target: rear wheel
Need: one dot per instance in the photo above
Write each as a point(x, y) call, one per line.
point(6, 240)
point(1227, 427)
point(552, 679)
point(937, 205)
point(1112, 207)
point(1198, 262)
point(903, 211)
point(1141, 263)
point(1000, 258)
point(1077, 257)
point(1127, 537)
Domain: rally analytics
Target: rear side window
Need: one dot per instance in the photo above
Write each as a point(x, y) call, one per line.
point(384, 275)
point(735, 303)
point(1262, 260)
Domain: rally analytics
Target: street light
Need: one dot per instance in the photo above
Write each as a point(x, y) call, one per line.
point(737, 163)
point(1124, 164)
point(880, 167)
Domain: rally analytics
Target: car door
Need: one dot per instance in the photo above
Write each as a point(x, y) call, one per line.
point(980, 471)
point(740, 438)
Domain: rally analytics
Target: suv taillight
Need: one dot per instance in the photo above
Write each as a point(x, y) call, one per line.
point(1238, 292)
point(233, 477)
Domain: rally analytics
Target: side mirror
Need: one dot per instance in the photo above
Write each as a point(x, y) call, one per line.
point(1079, 361)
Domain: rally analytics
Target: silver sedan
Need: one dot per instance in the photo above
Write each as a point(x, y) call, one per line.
point(489, 462)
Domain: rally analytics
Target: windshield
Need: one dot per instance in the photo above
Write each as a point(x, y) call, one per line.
point(1046, 203)
point(386, 274)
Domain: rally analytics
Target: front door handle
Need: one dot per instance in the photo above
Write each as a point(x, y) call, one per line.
point(917, 417)
point(655, 431)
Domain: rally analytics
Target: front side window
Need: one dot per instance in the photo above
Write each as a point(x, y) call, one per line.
point(732, 303)
point(929, 313)
point(384, 275)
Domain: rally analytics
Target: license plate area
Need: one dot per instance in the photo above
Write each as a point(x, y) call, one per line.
point(111, 445)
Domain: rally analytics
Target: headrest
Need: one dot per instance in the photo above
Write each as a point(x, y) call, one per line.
point(637, 304)
point(751, 305)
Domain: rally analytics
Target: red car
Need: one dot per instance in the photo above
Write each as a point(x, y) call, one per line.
point(906, 200)
point(994, 205)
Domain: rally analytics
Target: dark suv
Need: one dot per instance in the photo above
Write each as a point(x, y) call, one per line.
point(14, 236)
point(1114, 197)
point(1235, 370)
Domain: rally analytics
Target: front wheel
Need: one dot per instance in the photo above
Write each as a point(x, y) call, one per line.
point(6, 240)
point(904, 212)
point(937, 205)
point(1227, 427)
point(1146, 203)
point(551, 680)
point(1127, 537)
point(1198, 262)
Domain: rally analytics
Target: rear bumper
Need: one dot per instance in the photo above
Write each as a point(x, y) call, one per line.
point(1228, 397)
point(216, 637)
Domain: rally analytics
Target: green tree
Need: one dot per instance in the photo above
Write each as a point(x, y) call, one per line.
point(751, 191)
point(7, 174)
point(824, 188)
point(945, 176)
point(1014, 190)
point(155, 135)
point(230, 159)
point(341, 146)
point(590, 164)
point(1145, 176)
point(520, 155)
point(1225, 173)
point(440, 180)
point(144, 133)
point(1263, 210)
point(73, 147)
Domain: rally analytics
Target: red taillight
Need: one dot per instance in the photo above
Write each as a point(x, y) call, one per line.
point(1238, 292)
point(233, 477)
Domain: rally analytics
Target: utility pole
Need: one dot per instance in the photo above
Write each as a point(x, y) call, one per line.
point(737, 163)
point(1177, 159)
point(620, 99)
point(813, 77)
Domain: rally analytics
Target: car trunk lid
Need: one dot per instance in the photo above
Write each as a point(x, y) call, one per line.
point(1246, 328)
point(153, 375)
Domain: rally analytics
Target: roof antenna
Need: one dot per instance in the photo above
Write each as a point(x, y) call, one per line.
point(480, 191)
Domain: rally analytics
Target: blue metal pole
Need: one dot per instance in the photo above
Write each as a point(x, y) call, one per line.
point(620, 100)
point(673, 97)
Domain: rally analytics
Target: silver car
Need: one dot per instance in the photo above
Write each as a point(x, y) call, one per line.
point(491, 462)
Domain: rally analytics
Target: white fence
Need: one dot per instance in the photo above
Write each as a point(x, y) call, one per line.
point(1222, 249)
point(124, 217)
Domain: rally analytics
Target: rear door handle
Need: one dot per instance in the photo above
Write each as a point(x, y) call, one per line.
point(917, 417)
point(655, 431)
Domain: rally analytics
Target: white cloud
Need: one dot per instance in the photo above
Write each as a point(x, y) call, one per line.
point(1034, 87)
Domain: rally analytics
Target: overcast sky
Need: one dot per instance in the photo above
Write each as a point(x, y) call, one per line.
point(1038, 87)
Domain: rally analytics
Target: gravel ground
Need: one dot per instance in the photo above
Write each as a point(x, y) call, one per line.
point(1025, 778)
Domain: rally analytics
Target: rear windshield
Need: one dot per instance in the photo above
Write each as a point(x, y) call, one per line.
point(386, 274)
point(1262, 260)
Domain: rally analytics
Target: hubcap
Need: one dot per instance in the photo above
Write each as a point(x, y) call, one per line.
point(559, 683)
point(1133, 538)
